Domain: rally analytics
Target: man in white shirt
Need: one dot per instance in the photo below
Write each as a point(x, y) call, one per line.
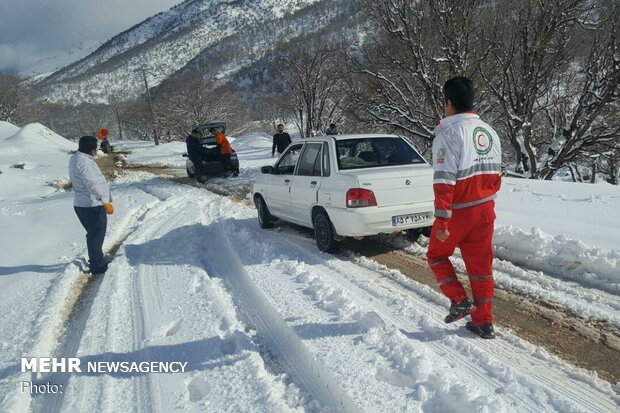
point(92, 202)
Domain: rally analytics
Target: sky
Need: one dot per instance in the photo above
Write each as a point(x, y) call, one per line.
point(38, 36)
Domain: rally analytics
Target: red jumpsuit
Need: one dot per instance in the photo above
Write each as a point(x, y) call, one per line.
point(467, 168)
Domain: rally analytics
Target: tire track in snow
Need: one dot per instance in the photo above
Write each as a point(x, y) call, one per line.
point(572, 390)
point(146, 283)
point(133, 307)
point(564, 384)
point(222, 261)
point(77, 312)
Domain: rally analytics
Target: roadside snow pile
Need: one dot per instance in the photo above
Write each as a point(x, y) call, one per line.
point(165, 155)
point(30, 159)
point(559, 255)
point(7, 129)
point(584, 212)
point(36, 140)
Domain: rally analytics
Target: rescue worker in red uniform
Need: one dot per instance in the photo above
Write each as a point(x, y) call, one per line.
point(467, 167)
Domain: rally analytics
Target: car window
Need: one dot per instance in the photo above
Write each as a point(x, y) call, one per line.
point(286, 165)
point(308, 160)
point(326, 164)
point(375, 152)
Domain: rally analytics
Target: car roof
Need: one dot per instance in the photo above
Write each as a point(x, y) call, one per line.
point(346, 137)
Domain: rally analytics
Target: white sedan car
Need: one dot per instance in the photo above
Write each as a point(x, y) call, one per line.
point(348, 186)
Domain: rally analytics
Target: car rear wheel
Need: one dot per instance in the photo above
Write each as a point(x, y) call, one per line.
point(325, 234)
point(264, 217)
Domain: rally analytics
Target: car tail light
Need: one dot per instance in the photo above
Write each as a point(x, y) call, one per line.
point(359, 198)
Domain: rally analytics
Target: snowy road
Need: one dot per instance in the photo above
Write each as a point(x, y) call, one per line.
point(268, 323)
point(264, 321)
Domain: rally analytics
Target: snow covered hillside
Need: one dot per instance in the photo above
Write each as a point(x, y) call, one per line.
point(193, 34)
point(264, 321)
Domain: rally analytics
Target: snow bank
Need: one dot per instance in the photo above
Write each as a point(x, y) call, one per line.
point(559, 255)
point(584, 212)
point(7, 129)
point(31, 159)
point(36, 139)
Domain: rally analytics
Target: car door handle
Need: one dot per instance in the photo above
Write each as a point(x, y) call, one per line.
point(287, 181)
point(313, 183)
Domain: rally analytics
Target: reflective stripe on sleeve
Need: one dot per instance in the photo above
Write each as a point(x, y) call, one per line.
point(444, 177)
point(443, 213)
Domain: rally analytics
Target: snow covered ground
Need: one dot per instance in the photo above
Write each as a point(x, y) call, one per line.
point(264, 320)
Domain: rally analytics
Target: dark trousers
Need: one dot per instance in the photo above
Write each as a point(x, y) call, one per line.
point(95, 222)
point(226, 161)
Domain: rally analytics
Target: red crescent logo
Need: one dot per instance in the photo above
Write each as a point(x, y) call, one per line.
point(480, 135)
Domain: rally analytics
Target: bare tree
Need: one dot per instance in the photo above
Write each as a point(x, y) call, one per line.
point(14, 95)
point(315, 85)
point(188, 101)
point(585, 122)
point(137, 120)
point(403, 67)
point(531, 46)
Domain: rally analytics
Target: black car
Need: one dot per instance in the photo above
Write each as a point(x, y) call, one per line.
point(210, 163)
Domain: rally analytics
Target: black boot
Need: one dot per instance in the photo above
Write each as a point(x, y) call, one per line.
point(484, 331)
point(458, 311)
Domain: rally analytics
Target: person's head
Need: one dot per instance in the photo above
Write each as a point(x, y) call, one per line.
point(280, 128)
point(332, 126)
point(88, 145)
point(103, 133)
point(195, 134)
point(458, 94)
point(212, 131)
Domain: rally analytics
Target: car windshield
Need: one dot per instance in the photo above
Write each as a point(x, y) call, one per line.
point(375, 152)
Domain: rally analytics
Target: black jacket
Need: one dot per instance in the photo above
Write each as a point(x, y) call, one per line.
point(280, 142)
point(194, 148)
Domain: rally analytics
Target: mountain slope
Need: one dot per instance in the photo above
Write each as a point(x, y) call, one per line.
point(172, 41)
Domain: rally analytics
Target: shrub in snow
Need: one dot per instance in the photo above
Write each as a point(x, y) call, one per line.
point(61, 184)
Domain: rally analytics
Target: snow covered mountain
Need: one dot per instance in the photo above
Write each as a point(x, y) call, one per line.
point(222, 34)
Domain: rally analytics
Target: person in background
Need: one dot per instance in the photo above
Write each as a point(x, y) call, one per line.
point(467, 160)
point(92, 202)
point(225, 149)
point(103, 135)
point(194, 148)
point(332, 130)
point(280, 140)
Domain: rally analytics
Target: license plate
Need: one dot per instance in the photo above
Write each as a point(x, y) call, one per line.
point(409, 219)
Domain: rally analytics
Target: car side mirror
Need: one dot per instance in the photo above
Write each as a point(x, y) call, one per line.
point(267, 170)
point(185, 155)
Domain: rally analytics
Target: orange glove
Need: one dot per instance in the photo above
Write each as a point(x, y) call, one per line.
point(109, 209)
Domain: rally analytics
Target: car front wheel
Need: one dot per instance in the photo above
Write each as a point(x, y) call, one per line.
point(325, 234)
point(264, 218)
